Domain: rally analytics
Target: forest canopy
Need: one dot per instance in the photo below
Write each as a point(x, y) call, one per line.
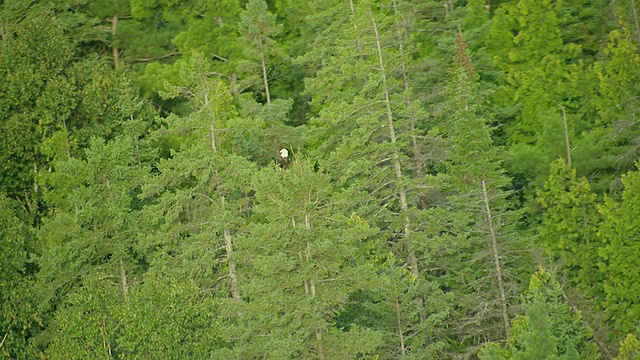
point(462, 179)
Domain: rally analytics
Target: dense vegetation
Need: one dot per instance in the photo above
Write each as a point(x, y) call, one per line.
point(463, 183)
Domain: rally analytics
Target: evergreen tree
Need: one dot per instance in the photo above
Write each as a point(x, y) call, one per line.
point(547, 330)
point(366, 119)
point(258, 28)
point(612, 145)
point(541, 76)
point(32, 58)
point(300, 268)
point(481, 225)
point(629, 348)
point(570, 223)
point(619, 235)
point(16, 274)
point(90, 254)
point(201, 189)
point(54, 104)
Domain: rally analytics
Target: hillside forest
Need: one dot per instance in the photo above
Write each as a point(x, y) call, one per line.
point(463, 179)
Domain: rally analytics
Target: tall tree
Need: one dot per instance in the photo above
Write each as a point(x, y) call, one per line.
point(619, 233)
point(89, 246)
point(570, 222)
point(300, 267)
point(541, 72)
point(54, 104)
point(32, 59)
point(16, 275)
point(367, 108)
point(481, 221)
point(203, 185)
point(612, 146)
point(365, 112)
point(547, 330)
point(258, 28)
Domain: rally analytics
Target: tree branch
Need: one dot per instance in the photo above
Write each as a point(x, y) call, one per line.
point(174, 53)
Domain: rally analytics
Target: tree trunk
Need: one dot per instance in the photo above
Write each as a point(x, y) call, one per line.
point(212, 132)
point(417, 156)
point(635, 19)
point(566, 137)
point(310, 287)
point(412, 262)
point(264, 75)
point(448, 6)
point(353, 13)
point(3, 33)
point(116, 52)
point(355, 25)
point(604, 350)
point(123, 281)
point(400, 327)
point(496, 260)
point(228, 243)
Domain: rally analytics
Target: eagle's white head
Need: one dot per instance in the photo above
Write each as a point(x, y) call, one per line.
point(284, 153)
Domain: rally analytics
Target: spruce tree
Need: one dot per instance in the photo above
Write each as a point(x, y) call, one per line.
point(89, 249)
point(367, 126)
point(300, 267)
point(548, 329)
point(201, 190)
point(481, 226)
point(570, 223)
point(18, 319)
point(540, 74)
point(258, 28)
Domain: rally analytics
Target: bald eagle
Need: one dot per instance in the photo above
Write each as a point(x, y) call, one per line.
point(284, 158)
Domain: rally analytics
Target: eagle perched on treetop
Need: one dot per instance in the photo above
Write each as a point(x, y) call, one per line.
point(284, 158)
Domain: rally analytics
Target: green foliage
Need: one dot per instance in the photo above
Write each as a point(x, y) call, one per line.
point(89, 244)
point(629, 348)
point(617, 100)
point(16, 307)
point(396, 232)
point(199, 196)
point(31, 62)
point(570, 223)
point(480, 233)
point(619, 234)
point(540, 75)
point(548, 329)
point(54, 104)
point(157, 319)
point(258, 28)
point(300, 268)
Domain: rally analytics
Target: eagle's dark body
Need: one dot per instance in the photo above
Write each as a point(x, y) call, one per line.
point(284, 159)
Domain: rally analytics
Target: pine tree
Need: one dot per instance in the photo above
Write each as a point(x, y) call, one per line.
point(258, 28)
point(300, 268)
point(367, 118)
point(570, 222)
point(612, 146)
point(90, 252)
point(540, 75)
point(547, 330)
point(16, 307)
point(481, 225)
point(202, 188)
point(54, 104)
point(367, 130)
point(31, 60)
point(629, 348)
